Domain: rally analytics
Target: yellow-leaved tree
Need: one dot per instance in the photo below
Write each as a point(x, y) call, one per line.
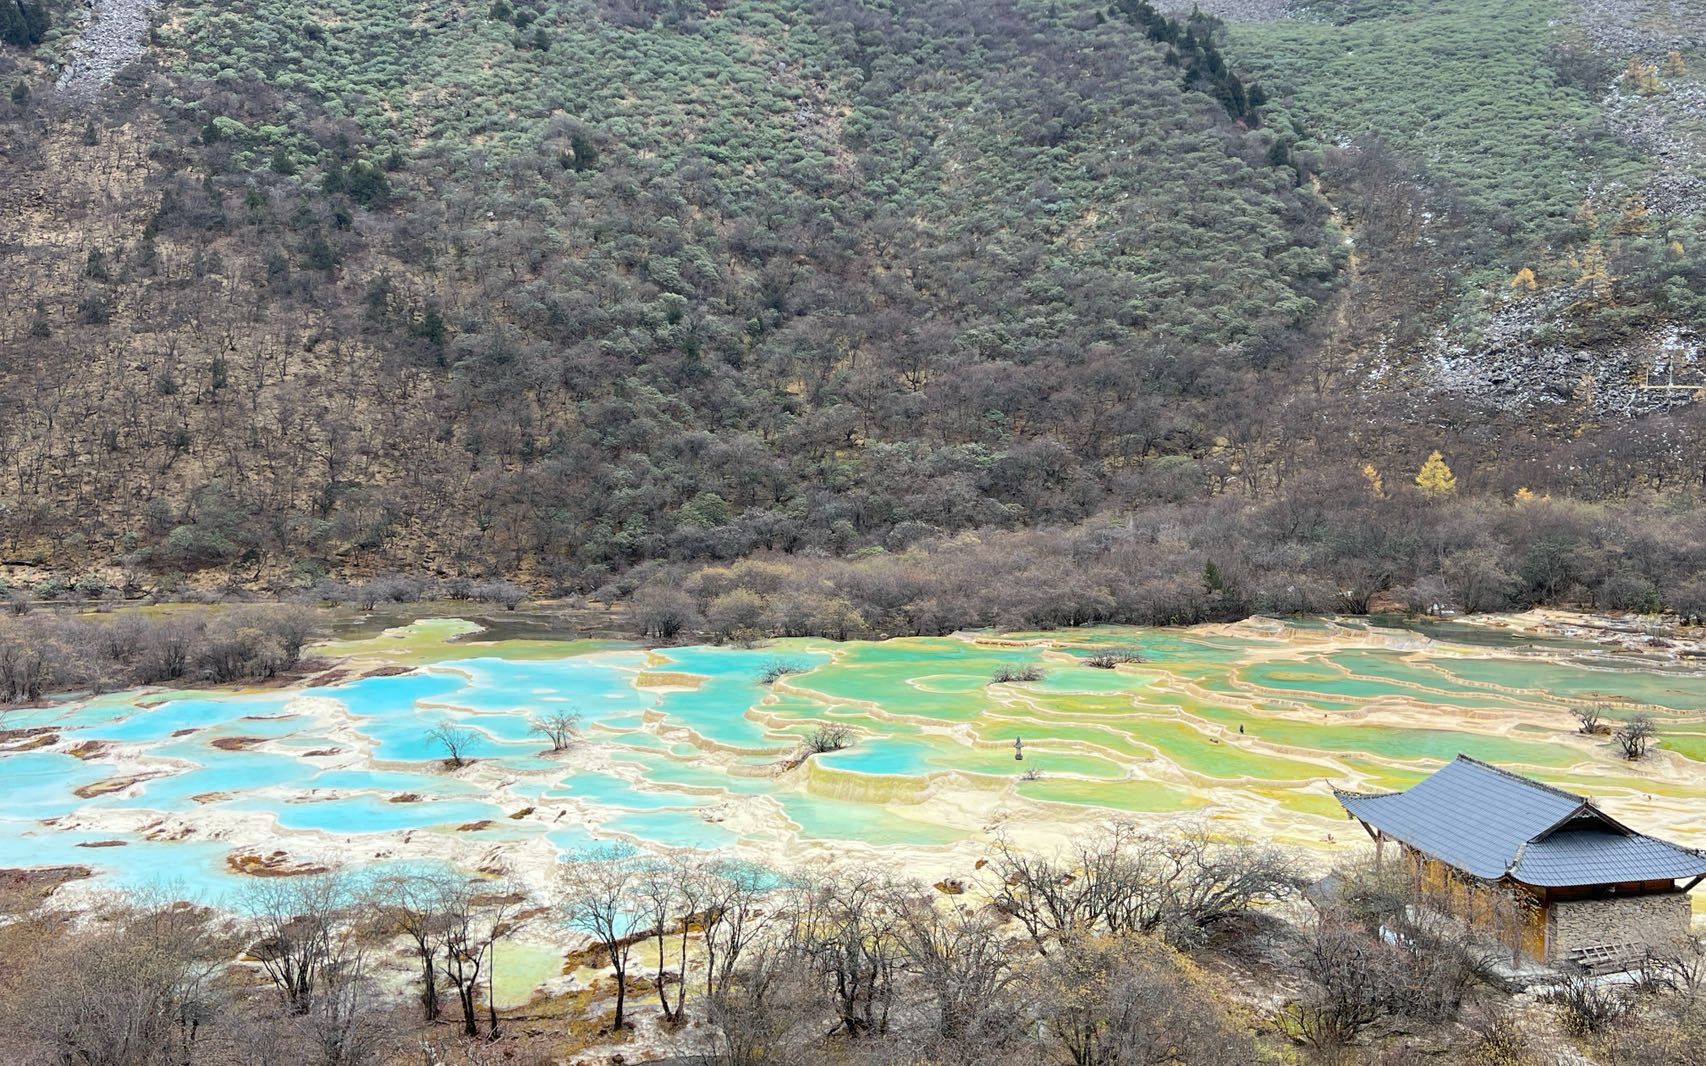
point(1372, 476)
point(1435, 478)
point(1642, 77)
point(1525, 280)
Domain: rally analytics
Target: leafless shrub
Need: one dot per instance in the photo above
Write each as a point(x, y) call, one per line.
point(400, 588)
point(330, 593)
point(1360, 976)
point(1124, 881)
point(1109, 660)
point(1103, 998)
point(1588, 1005)
point(138, 985)
point(1004, 675)
point(776, 669)
point(1680, 971)
point(1501, 1041)
point(507, 593)
point(829, 736)
point(1662, 1031)
point(251, 642)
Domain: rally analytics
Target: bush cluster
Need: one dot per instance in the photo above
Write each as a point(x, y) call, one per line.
point(42, 652)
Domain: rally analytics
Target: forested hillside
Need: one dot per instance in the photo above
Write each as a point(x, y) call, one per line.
point(581, 293)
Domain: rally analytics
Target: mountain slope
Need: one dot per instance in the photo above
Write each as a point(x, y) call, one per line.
point(597, 293)
point(947, 261)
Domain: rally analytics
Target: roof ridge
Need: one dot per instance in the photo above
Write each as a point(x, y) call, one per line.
point(1337, 791)
point(1516, 860)
point(1529, 781)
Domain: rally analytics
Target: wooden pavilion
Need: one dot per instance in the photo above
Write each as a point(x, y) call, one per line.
point(1559, 879)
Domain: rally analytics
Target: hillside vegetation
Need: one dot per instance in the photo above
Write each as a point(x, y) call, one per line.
point(574, 291)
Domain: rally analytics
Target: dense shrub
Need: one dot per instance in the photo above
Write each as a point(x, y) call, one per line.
point(46, 651)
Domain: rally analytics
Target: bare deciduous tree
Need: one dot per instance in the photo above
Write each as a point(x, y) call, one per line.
point(303, 935)
point(1589, 716)
point(672, 893)
point(1109, 660)
point(477, 915)
point(738, 911)
point(1380, 948)
point(768, 1016)
point(561, 728)
point(1636, 735)
point(456, 741)
point(419, 904)
point(964, 972)
point(663, 613)
point(136, 989)
point(845, 929)
point(507, 593)
point(601, 898)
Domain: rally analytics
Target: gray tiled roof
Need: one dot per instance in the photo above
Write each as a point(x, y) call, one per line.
point(1598, 857)
point(1492, 823)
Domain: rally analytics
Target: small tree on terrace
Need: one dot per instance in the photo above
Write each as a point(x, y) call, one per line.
point(1589, 716)
point(776, 669)
point(561, 728)
point(830, 736)
point(1636, 735)
point(456, 741)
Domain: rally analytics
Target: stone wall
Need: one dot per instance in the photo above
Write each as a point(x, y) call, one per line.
point(1658, 922)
